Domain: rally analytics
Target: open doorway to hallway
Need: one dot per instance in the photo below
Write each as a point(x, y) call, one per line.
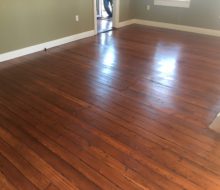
point(104, 15)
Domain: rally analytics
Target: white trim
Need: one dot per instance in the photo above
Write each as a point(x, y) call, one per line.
point(173, 3)
point(40, 47)
point(179, 27)
point(47, 45)
point(116, 13)
point(95, 16)
point(184, 28)
point(126, 23)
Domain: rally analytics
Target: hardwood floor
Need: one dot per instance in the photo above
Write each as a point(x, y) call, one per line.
point(104, 24)
point(127, 109)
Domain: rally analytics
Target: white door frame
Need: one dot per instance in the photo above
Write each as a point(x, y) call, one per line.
point(115, 19)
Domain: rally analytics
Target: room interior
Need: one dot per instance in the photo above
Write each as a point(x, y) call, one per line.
point(136, 107)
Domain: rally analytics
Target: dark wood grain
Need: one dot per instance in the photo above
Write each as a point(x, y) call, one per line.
point(52, 187)
point(127, 109)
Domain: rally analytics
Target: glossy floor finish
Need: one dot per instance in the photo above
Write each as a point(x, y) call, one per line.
point(104, 24)
point(127, 109)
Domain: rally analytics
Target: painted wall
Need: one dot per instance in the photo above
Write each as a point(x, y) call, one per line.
point(25, 23)
point(202, 13)
point(126, 10)
point(28, 22)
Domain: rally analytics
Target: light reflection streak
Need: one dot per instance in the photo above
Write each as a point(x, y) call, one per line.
point(165, 73)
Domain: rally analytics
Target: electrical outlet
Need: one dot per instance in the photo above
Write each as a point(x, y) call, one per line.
point(77, 18)
point(148, 7)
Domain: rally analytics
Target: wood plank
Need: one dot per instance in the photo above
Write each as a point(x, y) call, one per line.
point(5, 184)
point(57, 178)
point(80, 166)
point(78, 180)
point(123, 110)
point(32, 174)
point(52, 187)
point(14, 175)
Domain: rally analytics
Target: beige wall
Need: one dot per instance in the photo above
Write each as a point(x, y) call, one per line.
point(202, 13)
point(25, 23)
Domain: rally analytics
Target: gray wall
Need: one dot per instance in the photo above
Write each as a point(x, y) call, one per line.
point(126, 10)
point(202, 13)
point(25, 23)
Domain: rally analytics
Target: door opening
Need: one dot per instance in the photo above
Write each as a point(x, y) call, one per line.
point(104, 15)
point(98, 6)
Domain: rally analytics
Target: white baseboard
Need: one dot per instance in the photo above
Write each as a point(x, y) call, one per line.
point(54, 43)
point(47, 45)
point(125, 23)
point(172, 26)
point(179, 27)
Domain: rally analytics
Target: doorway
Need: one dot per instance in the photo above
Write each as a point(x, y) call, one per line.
point(104, 15)
point(101, 21)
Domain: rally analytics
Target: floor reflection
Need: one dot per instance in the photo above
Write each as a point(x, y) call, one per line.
point(106, 39)
point(106, 66)
point(166, 62)
point(104, 25)
point(108, 60)
point(166, 59)
point(107, 53)
point(165, 70)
